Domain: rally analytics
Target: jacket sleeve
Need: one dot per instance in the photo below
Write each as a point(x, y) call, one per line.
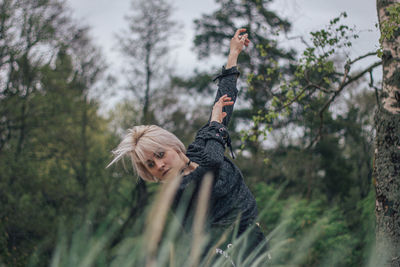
point(209, 146)
point(209, 141)
point(227, 81)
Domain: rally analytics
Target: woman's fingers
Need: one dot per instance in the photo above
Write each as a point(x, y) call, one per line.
point(242, 39)
point(238, 32)
point(228, 103)
point(223, 104)
point(247, 42)
point(224, 100)
point(239, 40)
point(217, 113)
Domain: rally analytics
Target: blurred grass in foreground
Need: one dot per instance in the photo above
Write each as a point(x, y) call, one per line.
point(303, 234)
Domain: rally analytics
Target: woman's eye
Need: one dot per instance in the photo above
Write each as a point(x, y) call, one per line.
point(160, 155)
point(150, 164)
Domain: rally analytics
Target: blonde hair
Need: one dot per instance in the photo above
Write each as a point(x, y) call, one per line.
point(142, 139)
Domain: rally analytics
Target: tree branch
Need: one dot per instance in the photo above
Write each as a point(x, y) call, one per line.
point(371, 84)
point(359, 75)
point(298, 37)
point(342, 85)
point(362, 57)
point(295, 98)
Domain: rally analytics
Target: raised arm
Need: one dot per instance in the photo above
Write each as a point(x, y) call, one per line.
point(237, 43)
point(212, 137)
point(228, 77)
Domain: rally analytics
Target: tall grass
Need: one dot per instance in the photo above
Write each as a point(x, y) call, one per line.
point(163, 241)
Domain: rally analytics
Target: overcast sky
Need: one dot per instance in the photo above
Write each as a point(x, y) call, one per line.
point(106, 17)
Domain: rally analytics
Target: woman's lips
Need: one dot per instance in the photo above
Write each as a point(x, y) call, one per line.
point(165, 172)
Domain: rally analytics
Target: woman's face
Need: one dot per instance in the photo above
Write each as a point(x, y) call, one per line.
point(164, 163)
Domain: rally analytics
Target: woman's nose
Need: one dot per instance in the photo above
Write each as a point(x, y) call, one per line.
point(159, 164)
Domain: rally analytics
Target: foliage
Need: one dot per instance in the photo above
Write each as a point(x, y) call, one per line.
point(306, 234)
point(316, 80)
point(53, 144)
point(390, 25)
point(258, 62)
point(60, 206)
point(146, 46)
point(315, 233)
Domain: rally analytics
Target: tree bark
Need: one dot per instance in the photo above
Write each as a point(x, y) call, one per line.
point(387, 148)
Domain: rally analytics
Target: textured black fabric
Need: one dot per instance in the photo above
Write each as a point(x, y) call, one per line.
point(230, 197)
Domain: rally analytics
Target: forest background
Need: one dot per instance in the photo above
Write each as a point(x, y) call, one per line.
point(303, 129)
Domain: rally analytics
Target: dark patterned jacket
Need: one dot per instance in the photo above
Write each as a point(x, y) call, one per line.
point(230, 197)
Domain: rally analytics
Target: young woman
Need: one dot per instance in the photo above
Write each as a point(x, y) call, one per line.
point(158, 156)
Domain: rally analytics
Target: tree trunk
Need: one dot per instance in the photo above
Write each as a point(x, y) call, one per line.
point(84, 147)
point(387, 149)
point(146, 115)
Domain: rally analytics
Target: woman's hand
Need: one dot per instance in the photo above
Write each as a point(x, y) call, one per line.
point(217, 114)
point(236, 46)
point(239, 41)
